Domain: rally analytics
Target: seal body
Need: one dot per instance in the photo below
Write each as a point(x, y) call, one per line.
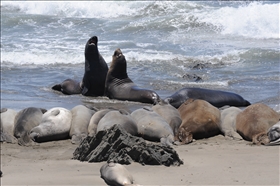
point(254, 122)
point(152, 127)
point(200, 120)
point(81, 116)
point(94, 120)
point(55, 125)
point(7, 125)
point(119, 117)
point(170, 114)
point(228, 122)
point(115, 174)
point(215, 97)
point(119, 86)
point(96, 69)
point(274, 134)
point(69, 87)
point(25, 120)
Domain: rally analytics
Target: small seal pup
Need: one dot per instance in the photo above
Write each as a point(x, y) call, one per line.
point(115, 174)
point(68, 87)
point(25, 120)
point(119, 86)
point(7, 124)
point(55, 125)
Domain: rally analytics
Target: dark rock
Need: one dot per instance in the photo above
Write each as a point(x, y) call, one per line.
point(192, 77)
point(119, 146)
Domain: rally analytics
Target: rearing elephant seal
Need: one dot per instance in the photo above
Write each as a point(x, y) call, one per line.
point(119, 86)
point(95, 70)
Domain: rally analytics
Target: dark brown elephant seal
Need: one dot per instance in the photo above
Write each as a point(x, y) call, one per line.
point(96, 69)
point(68, 87)
point(200, 120)
point(254, 122)
point(119, 86)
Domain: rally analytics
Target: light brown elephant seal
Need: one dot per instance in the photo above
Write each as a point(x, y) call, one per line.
point(253, 123)
point(200, 120)
point(228, 122)
point(119, 86)
point(7, 124)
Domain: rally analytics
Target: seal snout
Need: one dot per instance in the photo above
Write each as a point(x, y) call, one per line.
point(93, 41)
point(118, 53)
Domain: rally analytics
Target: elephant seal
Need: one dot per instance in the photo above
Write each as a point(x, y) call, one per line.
point(25, 120)
point(214, 97)
point(200, 120)
point(115, 174)
point(119, 117)
point(69, 87)
point(7, 125)
point(96, 69)
point(81, 116)
point(170, 114)
point(119, 86)
point(94, 120)
point(55, 125)
point(228, 122)
point(274, 134)
point(254, 122)
point(152, 127)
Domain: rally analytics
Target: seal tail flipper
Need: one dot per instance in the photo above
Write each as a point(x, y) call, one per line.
point(57, 87)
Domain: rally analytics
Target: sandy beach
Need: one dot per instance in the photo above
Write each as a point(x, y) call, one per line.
point(212, 161)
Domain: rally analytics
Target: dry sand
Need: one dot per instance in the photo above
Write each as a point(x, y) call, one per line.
point(213, 161)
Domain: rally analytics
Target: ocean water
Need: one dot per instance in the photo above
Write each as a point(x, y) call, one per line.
point(235, 44)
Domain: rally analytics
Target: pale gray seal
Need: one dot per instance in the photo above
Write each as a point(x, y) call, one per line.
point(228, 122)
point(25, 120)
point(94, 120)
point(7, 125)
point(152, 127)
point(115, 174)
point(254, 122)
point(119, 117)
point(81, 116)
point(55, 125)
point(170, 114)
point(274, 134)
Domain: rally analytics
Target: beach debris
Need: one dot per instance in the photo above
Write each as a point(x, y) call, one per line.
point(116, 145)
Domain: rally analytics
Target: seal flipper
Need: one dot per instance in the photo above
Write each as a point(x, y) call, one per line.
point(57, 87)
point(55, 112)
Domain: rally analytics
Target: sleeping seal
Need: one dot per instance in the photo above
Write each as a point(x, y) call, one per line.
point(7, 125)
point(55, 125)
point(274, 134)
